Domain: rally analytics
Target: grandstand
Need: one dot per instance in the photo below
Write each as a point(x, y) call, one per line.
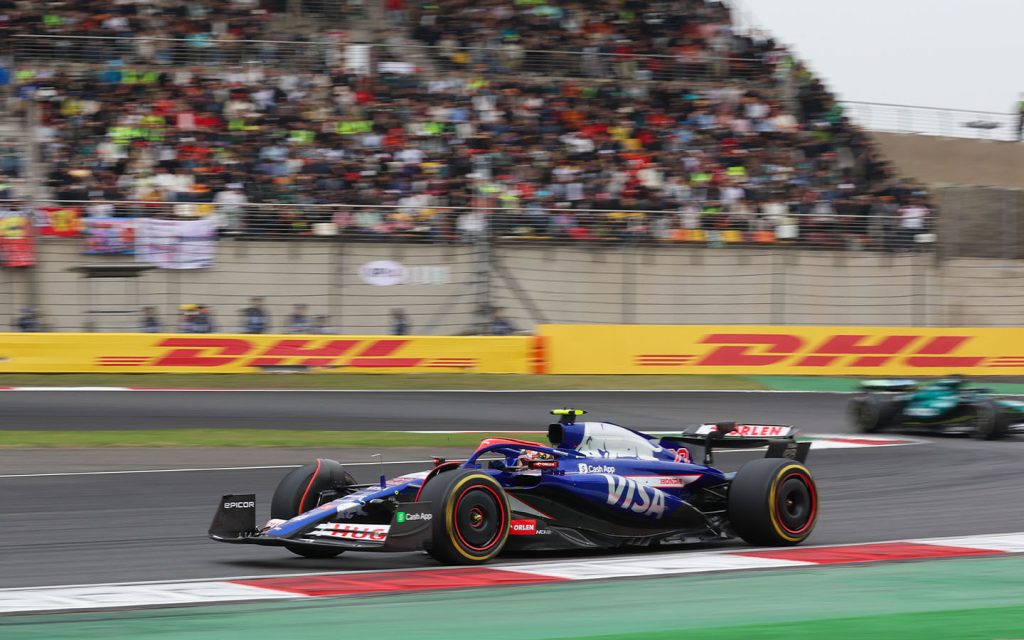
point(740, 137)
point(449, 122)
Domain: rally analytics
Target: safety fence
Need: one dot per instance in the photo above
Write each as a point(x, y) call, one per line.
point(332, 51)
point(556, 349)
point(437, 270)
point(931, 121)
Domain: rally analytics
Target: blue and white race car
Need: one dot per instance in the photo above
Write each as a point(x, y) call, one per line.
point(597, 486)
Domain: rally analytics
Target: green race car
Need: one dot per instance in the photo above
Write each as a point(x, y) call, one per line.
point(950, 406)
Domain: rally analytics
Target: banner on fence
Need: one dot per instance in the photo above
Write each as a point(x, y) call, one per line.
point(176, 244)
point(229, 353)
point(775, 350)
point(65, 222)
point(109, 236)
point(16, 246)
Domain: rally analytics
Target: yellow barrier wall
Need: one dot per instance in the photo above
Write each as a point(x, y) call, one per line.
point(768, 350)
point(227, 353)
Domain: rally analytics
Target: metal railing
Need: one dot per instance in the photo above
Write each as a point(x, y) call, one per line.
point(95, 265)
point(78, 54)
point(931, 121)
point(98, 264)
point(699, 223)
point(326, 51)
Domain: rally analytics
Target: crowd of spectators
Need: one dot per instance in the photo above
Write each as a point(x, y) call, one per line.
point(199, 22)
point(630, 39)
point(758, 147)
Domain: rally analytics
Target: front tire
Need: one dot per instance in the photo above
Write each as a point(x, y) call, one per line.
point(471, 517)
point(773, 502)
point(299, 491)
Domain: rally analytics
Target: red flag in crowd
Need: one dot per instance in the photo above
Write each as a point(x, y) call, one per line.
point(65, 222)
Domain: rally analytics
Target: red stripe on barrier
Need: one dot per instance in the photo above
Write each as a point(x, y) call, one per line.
point(882, 552)
point(389, 582)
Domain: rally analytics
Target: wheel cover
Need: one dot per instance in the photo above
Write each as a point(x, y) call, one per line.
point(796, 503)
point(479, 519)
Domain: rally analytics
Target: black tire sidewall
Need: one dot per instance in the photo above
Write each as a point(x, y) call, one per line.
point(307, 481)
point(754, 502)
point(444, 492)
point(990, 424)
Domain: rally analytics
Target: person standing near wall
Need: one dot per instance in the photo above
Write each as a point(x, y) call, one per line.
point(28, 321)
point(500, 325)
point(1020, 119)
point(150, 321)
point(399, 323)
point(203, 321)
point(186, 318)
point(256, 319)
point(299, 321)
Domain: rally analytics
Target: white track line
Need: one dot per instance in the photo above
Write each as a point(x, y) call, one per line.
point(128, 472)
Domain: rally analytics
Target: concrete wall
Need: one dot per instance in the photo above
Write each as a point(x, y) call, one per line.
point(689, 285)
point(932, 159)
point(981, 222)
point(985, 219)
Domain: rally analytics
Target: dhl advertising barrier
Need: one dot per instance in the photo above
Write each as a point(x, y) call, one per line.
point(558, 349)
point(774, 350)
point(189, 353)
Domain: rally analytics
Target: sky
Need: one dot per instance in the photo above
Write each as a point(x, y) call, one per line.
point(954, 54)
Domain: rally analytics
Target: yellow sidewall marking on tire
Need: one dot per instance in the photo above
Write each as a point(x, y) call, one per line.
point(773, 512)
point(449, 518)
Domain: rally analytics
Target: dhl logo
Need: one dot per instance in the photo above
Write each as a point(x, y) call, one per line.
point(239, 352)
point(853, 350)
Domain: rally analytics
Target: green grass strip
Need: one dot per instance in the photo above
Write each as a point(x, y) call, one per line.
point(154, 438)
point(1004, 623)
point(401, 381)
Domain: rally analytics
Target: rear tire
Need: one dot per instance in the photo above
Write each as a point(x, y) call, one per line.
point(471, 517)
point(299, 491)
point(992, 423)
point(870, 413)
point(773, 502)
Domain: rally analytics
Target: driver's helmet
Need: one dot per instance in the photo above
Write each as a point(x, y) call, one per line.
point(529, 455)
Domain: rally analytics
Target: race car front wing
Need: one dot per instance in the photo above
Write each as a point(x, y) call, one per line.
point(409, 527)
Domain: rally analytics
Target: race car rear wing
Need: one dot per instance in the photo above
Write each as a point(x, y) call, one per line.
point(895, 386)
point(780, 439)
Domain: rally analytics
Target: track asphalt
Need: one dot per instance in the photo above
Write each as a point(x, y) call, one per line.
point(387, 410)
point(115, 528)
